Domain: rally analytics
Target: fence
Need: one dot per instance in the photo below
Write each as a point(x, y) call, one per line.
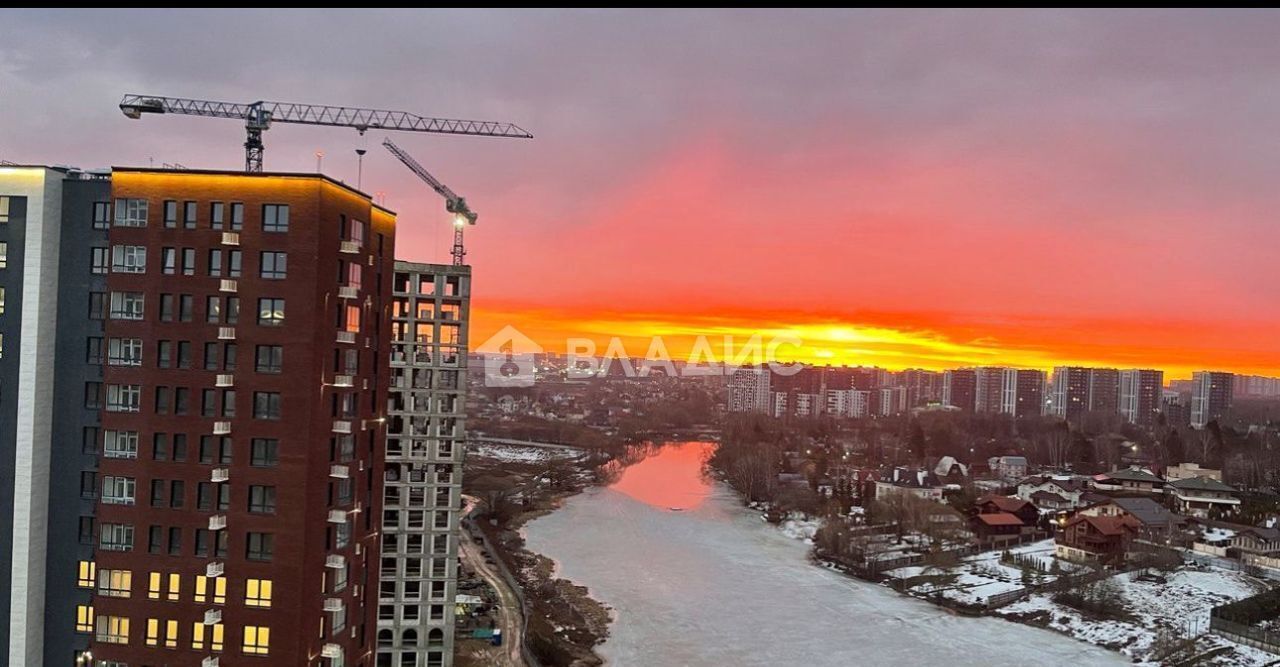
point(1235, 620)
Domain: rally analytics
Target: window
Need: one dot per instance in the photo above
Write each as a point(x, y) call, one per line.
point(257, 639)
point(271, 312)
point(155, 542)
point(88, 484)
point(233, 263)
point(157, 493)
point(260, 546)
point(164, 354)
point(354, 231)
point(275, 218)
point(161, 406)
point(89, 440)
point(355, 275)
point(126, 305)
point(113, 629)
point(128, 259)
point(211, 356)
point(273, 265)
point(216, 209)
point(124, 351)
point(175, 541)
point(4, 255)
point(208, 403)
point(257, 593)
point(219, 593)
point(169, 261)
point(237, 216)
point(189, 215)
point(265, 452)
point(84, 618)
point(118, 490)
point(266, 405)
point(186, 307)
point(97, 306)
point(175, 588)
point(212, 309)
point(120, 445)
point(262, 499)
point(115, 583)
point(351, 319)
point(87, 574)
point(124, 398)
point(4, 209)
point(177, 494)
point(184, 354)
point(171, 214)
point(116, 537)
point(228, 402)
point(153, 631)
point(98, 262)
point(215, 262)
point(131, 213)
point(270, 359)
point(94, 354)
point(101, 214)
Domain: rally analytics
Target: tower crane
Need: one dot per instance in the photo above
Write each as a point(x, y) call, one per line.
point(258, 117)
point(462, 214)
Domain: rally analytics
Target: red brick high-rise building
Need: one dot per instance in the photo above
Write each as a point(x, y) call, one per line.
point(244, 421)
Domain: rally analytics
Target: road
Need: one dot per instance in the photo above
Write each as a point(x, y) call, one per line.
point(510, 612)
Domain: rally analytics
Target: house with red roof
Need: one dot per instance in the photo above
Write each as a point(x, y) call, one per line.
point(1096, 539)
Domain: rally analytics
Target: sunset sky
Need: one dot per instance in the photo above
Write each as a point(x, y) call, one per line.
point(895, 188)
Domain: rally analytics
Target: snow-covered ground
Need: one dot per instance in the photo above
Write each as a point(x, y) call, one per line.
point(1182, 604)
point(517, 453)
point(713, 585)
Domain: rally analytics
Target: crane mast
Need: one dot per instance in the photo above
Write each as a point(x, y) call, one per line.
point(259, 116)
point(462, 214)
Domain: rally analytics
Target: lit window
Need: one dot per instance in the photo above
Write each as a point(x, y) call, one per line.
point(84, 618)
point(257, 639)
point(115, 583)
point(257, 593)
point(4, 255)
point(4, 209)
point(124, 351)
point(202, 589)
point(87, 574)
point(153, 631)
point(215, 635)
point(113, 629)
point(197, 635)
point(126, 259)
point(271, 312)
point(153, 585)
point(175, 587)
point(171, 634)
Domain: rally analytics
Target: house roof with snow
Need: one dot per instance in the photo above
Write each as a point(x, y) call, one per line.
point(1147, 511)
point(1048, 497)
point(1129, 475)
point(1107, 525)
point(1003, 503)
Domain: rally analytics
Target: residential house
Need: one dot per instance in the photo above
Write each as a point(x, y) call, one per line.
point(1009, 468)
point(1048, 501)
point(1189, 470)
point(922, 483)
point(997, 525)
point(1155, 523)
point(1025, 512)
point(1132, 480)
point(1204, 497)
point(1058, 488)
point(1096, 539)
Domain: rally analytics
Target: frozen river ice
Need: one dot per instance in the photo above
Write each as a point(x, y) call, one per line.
point(713, 585)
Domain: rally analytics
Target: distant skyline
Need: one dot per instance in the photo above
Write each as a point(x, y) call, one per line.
point(1024, 188)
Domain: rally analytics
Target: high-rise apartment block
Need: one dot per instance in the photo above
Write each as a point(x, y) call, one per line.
point(1211, 396)
point(197, 419)
point(750, 391)
point(1022, 392)
point(988, 389)
point(1141, 395)
point(960, 388)
point(426, 436)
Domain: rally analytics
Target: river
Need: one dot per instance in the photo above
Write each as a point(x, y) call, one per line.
point(713, 585)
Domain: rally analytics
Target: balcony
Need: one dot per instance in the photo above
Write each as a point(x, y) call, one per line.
point(220, 475)
point(222, 428)
point(212, 616)
point(339, 471)
point(333, 604)
point(225, 380)
point(218, 522)
point(230, 238)
point(211, 661)
point(349, 247)
point(226, 333)
point(215, 569)
point(344, 381)
point(228, 285)
point(331, 651)
point(346, 337)
point(341, 426)
point(337, 516)
point(335, 561)
point(348, 292)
